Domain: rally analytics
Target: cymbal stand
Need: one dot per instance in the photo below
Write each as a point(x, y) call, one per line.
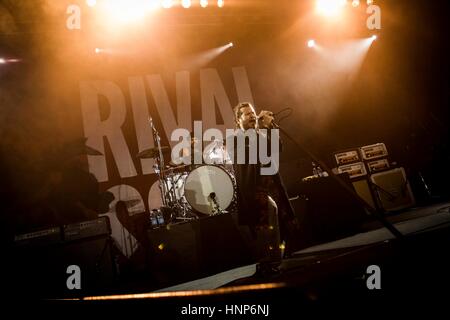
point(159, 165)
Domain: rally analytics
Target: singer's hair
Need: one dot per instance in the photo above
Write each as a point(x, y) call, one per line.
point(237, 111)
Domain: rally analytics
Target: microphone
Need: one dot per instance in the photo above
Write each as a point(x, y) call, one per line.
point(275, 125)
point(272, 125)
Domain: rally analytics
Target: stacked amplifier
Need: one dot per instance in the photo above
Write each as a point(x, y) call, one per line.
point(49, 252)
point(67, 233)
point(373, 177)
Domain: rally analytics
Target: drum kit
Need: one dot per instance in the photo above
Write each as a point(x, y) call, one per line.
point(190, 191)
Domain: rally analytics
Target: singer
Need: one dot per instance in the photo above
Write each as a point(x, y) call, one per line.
point(263, 204)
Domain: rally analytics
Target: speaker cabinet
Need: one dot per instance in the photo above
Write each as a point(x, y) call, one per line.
point(186, 251)
point(392, 189)
point(327, 212)
point(41, 270)
point(362, 188)
point(95, 258)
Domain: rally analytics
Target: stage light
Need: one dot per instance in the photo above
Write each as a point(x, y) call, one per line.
point(202, 59)
point(311, 43)
point(153, 4)
point(186, 3)
point(220, 3)
point(369, 2)
point(355, 3)
point(161, 246)
point(5, 61)
point(329, 7)
point(167, 4)
point(203, 3)
point(91, 3)
point(374, 37)
point(118, 12)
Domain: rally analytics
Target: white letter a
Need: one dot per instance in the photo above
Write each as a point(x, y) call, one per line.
point(374, 280)
point(374, 21)
point(74, 280)
point(74, 20)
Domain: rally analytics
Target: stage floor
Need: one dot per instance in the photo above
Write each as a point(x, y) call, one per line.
point(425, 240)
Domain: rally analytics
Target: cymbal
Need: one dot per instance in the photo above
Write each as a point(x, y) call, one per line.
point(151, 153)
point(172, 166)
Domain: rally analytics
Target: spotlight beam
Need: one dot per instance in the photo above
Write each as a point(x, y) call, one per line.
point(203, 58)
point(348, 56)
point(5, 61)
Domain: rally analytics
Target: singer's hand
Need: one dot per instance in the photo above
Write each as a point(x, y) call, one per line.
point(265, 119)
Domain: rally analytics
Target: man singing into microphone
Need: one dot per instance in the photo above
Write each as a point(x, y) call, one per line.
point(263, 204)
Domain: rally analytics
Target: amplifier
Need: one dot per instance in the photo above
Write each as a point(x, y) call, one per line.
point(392, 189)
point(378, 165)
point(354, 170)
point(346, 157)
point(87, 229)
point(374, 151)
point(41, 237)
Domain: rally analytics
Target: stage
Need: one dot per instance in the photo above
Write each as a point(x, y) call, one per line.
point(224, 158)
point(411, 269)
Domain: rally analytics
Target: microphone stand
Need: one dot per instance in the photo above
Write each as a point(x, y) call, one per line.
point(374, 212)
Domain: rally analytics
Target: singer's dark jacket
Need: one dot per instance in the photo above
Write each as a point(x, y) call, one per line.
point(253, 188)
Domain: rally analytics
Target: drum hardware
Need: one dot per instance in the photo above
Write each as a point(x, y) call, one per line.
point(206, 189)
point(170, 184)
point(189, 190)
point(210, 189)
point(217, 209)
point(159, 163)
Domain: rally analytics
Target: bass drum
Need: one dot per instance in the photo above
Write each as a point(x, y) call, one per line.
point(207, 183)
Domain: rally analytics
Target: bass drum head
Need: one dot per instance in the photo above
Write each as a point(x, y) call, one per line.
point(202, 182)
